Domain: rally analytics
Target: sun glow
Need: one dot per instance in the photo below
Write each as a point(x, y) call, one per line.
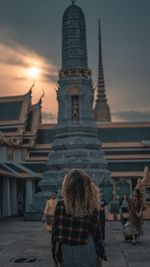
point(33, 72)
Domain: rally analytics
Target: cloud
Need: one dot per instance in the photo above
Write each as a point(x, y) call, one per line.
point(19, 58)
point(14, 55)
point(131, 115)
point(15, 60)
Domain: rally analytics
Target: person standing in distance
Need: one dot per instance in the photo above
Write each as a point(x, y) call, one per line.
point(50, 210)
point(136, 208)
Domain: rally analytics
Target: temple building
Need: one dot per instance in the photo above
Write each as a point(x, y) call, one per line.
point(34, 157)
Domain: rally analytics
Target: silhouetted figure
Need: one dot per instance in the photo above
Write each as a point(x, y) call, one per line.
point(124, 209)
point(102, 218)
point(114, 207)
point(136, 208)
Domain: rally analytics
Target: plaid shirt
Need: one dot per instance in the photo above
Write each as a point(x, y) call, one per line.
point(75, 231)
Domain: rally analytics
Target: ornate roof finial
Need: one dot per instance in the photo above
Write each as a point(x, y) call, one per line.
point(32, 86)
point(29, 93)
point(40, 100)
point(73, 1)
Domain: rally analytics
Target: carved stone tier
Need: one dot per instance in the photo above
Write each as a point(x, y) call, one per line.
point(76, 144)
point(75, 72)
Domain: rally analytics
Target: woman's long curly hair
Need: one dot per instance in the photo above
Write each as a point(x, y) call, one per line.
point(81, 195)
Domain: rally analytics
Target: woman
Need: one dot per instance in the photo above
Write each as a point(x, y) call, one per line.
point(76, 234)
point(124, 209)
point(135, 212)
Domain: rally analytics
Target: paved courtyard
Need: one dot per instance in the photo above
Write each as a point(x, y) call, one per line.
point(27, 244)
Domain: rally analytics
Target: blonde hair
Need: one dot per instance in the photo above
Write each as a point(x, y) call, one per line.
point(81, 195)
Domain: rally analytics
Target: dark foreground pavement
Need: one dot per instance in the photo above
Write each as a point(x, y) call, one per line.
point(27, 244)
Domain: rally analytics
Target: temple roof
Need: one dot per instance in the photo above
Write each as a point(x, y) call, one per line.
point(122, 144)
point(124, 166)
point(13, 108)
point(112, 132)
point(19, 119)
point(124, 134)
point(36, 167)
point(12, 168)
point(32, 123)
point(10, 110)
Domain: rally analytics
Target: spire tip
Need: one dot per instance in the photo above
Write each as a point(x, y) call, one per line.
point(73, 1)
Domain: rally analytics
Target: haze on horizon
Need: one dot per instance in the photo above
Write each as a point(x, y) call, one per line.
point(30, 35)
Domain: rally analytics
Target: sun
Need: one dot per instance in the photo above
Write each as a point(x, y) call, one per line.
point(33, 72)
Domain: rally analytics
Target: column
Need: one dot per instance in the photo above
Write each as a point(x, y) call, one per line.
point(29, 196)
point(6, 209)
point(13, 196)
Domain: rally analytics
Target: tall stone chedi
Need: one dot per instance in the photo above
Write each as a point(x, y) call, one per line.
point(76, 144)
point(101, 109)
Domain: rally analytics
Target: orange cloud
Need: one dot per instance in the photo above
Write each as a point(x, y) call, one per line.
point(14, 80)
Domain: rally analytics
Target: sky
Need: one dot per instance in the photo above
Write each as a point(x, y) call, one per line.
point(30, 35)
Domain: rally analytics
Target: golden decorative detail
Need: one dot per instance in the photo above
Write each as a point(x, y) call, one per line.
point(74, 90)
point(75, 115)
point(32, 86)
point(75, 108)
point(75, 72)
point(10, 140)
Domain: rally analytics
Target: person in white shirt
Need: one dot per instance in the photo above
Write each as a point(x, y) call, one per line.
point(49, 211)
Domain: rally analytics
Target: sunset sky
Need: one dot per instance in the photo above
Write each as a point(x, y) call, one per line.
point(30, 35)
